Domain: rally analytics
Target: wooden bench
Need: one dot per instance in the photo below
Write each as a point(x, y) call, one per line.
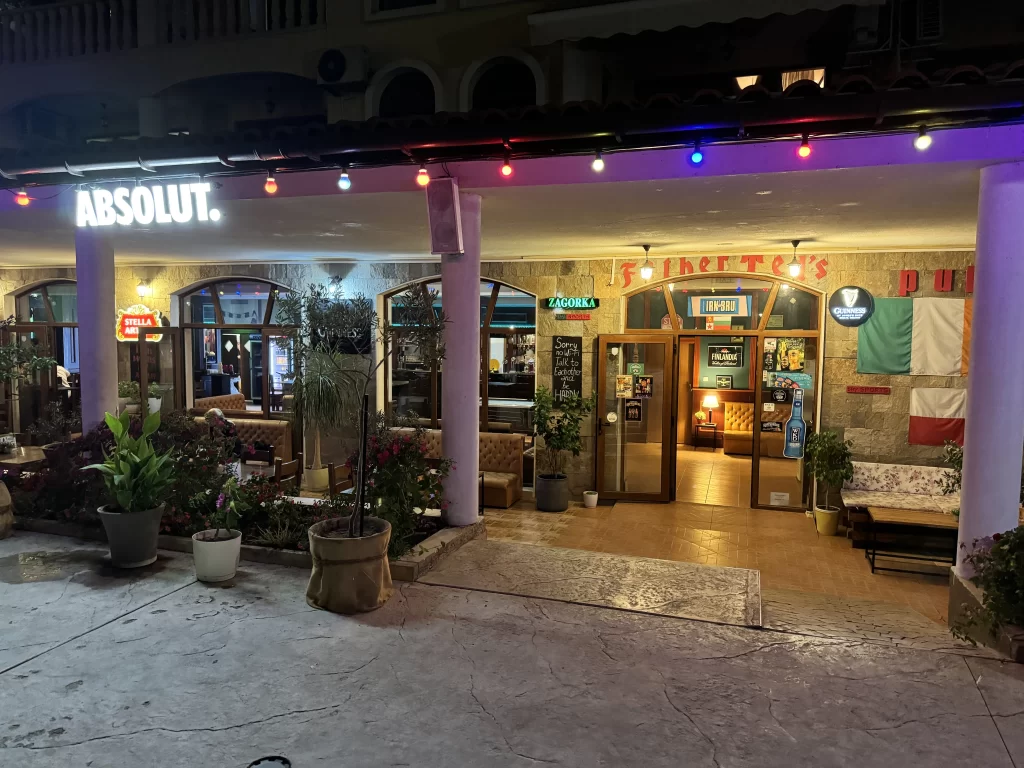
point(909, 534)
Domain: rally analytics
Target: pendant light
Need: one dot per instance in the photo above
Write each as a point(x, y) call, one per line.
point(647, 270)
point(794, 265)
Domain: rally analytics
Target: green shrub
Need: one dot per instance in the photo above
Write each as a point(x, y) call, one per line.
point(136, 475)
point(828, 459)
point(559, 426)
point(998, 563)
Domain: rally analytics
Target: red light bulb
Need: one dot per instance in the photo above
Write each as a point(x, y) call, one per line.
point(506, 169)
point(21, 197)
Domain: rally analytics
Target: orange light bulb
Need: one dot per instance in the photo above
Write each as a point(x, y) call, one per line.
point(270, 187)
point(805, 149)
point(506, 169)
point(422, 177)
point(21, 197)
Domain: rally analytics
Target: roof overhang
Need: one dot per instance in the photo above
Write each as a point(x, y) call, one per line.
point(636, 16)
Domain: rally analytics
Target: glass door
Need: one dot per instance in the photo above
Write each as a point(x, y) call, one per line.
point(636, 380)
point(160, 369)
point(785, 407)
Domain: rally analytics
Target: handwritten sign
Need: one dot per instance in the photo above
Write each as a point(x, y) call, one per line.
point(859, 390)
point(567, 369)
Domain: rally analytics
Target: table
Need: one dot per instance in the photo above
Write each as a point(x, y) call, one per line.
point(24, 458)
point(700, 430)
point(911, 535)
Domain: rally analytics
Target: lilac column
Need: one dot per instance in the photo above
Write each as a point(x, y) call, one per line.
point(993, 443)
point(94, 262)
point(460, 389)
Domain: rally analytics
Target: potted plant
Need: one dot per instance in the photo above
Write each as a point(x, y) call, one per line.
point(127, 397)
point(558, 427)
point(700, 416)
point(19, 364)
point(350, 565)
point(590, 499)
point(155, 397)
point(996, 565)
point(55, 426)
point(215, 551)
point(829, 462)
point(319, 404)
point(137, 478)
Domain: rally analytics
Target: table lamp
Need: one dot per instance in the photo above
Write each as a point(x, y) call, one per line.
point(710, 402)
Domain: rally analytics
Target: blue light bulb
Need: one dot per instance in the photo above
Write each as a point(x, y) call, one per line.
point(697, 157)
point(344, 182)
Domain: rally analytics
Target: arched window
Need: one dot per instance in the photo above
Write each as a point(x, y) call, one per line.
point(503, 83)
point(409, 92)
point(508, 322)
point(52, 302)
point(236, 357)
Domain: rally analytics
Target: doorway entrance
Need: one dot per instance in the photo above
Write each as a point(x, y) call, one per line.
point(695, 399)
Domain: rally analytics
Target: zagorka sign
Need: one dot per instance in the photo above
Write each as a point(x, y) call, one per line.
point(145, 205)
point(131, 319)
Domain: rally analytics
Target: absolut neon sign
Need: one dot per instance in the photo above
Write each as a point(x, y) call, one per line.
point(144, 205)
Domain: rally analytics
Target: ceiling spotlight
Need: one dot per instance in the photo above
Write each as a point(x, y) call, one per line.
point(344, 182)
point(21, 197)
point(270, 185)
point(598, 164)
point(923, 140)
point(422, 177)
point(794, 265)
point(805, 148)
point(647, 270)
point(697, 156)
point(506, 167)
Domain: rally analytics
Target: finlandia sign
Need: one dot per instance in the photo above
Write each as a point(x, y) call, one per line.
point(144, 205)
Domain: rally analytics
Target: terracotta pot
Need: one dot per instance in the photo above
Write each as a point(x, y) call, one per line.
point(132, 536)
point(349, 575)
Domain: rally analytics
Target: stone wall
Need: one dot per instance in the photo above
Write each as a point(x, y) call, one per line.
point(876, 424)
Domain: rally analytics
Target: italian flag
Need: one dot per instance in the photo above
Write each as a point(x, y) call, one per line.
point(919, 337)
point(937, 415)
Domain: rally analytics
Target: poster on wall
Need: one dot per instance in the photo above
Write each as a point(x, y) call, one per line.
point(790, 381)
point(771, 426)
point(567, 366)
point(635, 369)
point(790, 355)
point(623, 386)
point(634, 410)
point(643, 386)
point(725, 356)
point(723, 382)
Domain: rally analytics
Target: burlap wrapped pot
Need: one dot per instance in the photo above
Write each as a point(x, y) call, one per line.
point(349, 575)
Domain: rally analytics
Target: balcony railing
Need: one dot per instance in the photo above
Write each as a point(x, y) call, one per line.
point(48, 32)
point(87, 27)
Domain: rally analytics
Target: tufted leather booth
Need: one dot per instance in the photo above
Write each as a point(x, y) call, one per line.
point(501, 461)
point(275, 432)
point(235, 402)
point(738, 435)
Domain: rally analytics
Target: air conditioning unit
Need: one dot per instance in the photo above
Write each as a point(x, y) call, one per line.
point(343, 68)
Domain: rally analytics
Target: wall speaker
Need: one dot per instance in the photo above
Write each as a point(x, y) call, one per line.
point(444, 216)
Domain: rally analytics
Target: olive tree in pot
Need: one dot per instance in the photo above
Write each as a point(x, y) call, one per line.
point(137, 479)
point(828, 461)
point(216, 550)
point(336, 338)
point(558, 426)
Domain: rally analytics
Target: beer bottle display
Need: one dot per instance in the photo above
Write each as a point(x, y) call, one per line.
point(795, 428)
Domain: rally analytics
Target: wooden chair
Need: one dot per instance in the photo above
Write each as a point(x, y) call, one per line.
point(288, 471)
point(338, 479)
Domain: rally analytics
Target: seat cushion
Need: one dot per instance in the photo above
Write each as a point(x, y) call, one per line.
point(233, 402)
point(502, 489)
point(916, 501)
point(739, 417)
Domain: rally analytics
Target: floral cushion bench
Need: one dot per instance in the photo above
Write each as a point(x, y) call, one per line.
point(898, 486)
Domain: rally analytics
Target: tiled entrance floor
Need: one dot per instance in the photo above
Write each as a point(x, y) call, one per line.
point(783, 546)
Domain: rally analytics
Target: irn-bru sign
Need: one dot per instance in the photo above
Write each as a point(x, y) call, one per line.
point(137, 316)
point(703, 306)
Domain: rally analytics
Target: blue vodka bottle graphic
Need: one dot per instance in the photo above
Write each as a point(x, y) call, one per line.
point(795, 428)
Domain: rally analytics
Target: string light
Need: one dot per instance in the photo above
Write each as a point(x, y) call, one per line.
point(344, 182)
point(697, 156)
point(794, 265)
point(21, 197)
point(805, 148)
point(647, 270)
point(506, 168)
point(923, 140)
point(422, 177)
point(598, 164)
point(270, 185)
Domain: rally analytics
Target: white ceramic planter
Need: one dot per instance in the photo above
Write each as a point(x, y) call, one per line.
point(216, 560)
point(590, 499)
point(154, 404)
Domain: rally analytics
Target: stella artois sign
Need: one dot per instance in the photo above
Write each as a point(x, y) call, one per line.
point(137, 316)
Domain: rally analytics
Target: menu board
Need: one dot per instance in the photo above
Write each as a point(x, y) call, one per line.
point(567, 371)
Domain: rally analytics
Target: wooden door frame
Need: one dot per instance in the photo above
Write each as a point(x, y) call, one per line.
point(176, 336)
point(667, 423)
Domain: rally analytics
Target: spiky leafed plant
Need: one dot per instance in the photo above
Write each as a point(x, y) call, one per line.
point(344, 339)
point(319, 397)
